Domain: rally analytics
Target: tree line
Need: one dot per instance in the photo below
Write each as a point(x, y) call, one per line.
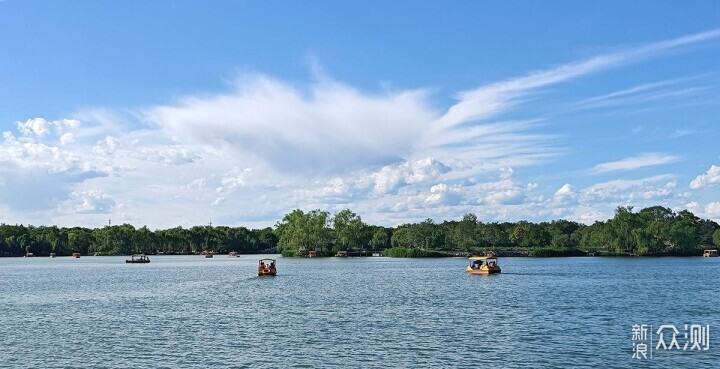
point(18, 240)
point(651, 231)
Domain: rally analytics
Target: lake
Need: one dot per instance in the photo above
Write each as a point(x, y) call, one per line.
point(192, 312)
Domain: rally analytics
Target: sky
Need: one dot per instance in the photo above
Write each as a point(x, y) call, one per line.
point(181, 113)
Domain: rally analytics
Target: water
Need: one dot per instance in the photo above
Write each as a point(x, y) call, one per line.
point(191, 312)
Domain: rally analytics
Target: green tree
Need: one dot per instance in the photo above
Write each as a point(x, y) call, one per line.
point(349, 229)
point(466, 234)
point(379, 239)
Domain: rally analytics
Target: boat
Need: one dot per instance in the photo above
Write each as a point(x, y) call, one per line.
point(711, 253)
point(208, 254)
point(341, 254)
point(266, 267)
point(483, 265)
point(138, 259)
point(29, 255)
point(312, 254)
point(232, 254)
point(76, 255)
point(52, 254)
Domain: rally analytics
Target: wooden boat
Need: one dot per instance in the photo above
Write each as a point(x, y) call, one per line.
point(341, 254)
point(312, 254)
point(483, 265)
point(76, 255)
point(266, 267)
point(711, 253)
point(138, 259)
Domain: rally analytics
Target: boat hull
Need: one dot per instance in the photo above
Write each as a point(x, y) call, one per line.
point(262, 274)
point(483, 271)
point(136, 262)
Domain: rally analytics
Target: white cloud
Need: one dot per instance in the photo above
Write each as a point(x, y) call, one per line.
point(37, 126)
point(693, 206)
point(492, 99)
point(592, 217)
point(167, 154)
point(635, 162)
point(713, 208)
point(682, 132)
point(92, 202)
point(106, 146)
point(67, 138)
point(218, 201)
point(567, 190)
point(268, 146)
point(503, 192)
point(198, 183)
point(444, 194)
point(391, 177)
point(329, 128)
point(710, 178)
point(661, 92)
point(646, 188)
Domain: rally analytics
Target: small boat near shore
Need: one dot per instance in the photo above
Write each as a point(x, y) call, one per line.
point(138, 259)
point(233, 254)
point(483, 265)
point(266, 267)
point(341, 254)
point(711, 253)
point(76, 255)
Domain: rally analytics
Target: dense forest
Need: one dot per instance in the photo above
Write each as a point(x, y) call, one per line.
point(651, 231)
point(17, 240)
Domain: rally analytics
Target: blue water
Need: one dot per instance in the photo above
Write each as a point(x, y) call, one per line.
point(191, 312)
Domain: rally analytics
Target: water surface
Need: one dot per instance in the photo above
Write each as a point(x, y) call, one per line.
point(192, 312)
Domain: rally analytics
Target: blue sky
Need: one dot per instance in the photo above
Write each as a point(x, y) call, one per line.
point(171, 113)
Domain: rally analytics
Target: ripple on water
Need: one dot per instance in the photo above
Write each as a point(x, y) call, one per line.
point(183, 311)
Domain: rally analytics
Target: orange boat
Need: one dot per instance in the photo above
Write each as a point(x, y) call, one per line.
point(483, 265)
point(266, 267)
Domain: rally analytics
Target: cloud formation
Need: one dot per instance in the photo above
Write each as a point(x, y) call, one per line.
point(710, 178)
point(329, 128)
point(636, 162)
point(267, 145)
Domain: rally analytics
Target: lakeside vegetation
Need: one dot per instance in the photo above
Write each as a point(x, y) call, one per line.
point(651, 231)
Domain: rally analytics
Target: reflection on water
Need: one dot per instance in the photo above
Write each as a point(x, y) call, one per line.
point(188, 311)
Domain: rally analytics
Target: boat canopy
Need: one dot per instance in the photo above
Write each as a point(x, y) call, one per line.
point(268, 259)
point(474, 258)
